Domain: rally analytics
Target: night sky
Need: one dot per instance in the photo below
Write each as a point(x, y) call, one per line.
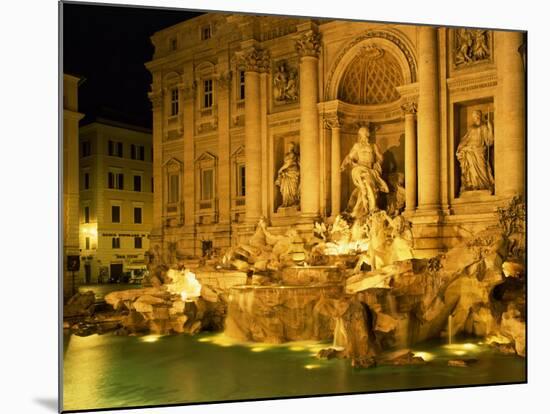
point(109, 47)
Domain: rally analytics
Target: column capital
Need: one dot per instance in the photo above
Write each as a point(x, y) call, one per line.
point(188, 90)
point(224, 80)
point(309, 44)
point(409, 108)
point(156, 98)
point(333, 122)
point(253, 59)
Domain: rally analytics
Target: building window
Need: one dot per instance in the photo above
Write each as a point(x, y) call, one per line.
point(207, 184)
point(87, 243)
point(86, 181)
point(241, 85)
point(173, 193)
point(208, 93)
point(174, 102)
point(206, 33)
point(241, 180)
point(138, 243)
point(114, 149)
point(115, 214)
point(137, 215)
point(86, 148)
point(137, 182)
point(115, 180)
point(152, 185)
point(115, 243)
point(86, 214)
point(173, 44)
point(137, 152)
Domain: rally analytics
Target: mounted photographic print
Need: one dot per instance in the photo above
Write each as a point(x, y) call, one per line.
point(260, 206)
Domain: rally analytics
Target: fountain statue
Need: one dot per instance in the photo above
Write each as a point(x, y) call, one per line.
point(365, 160)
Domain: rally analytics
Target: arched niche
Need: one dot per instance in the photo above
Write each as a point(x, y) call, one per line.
point(384, 61)
point(395, 45)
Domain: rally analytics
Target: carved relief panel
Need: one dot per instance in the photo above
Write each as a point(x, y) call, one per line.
point(471, 46)
point(285, 80)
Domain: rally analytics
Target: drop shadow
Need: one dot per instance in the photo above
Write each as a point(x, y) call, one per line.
point(49, 403)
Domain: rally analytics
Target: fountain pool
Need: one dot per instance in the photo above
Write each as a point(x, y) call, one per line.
point(103, 371)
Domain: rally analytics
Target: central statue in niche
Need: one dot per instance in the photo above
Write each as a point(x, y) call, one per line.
point(288, 178)
point(365, 160)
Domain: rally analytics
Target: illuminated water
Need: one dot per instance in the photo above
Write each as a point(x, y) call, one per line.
point(115, 371)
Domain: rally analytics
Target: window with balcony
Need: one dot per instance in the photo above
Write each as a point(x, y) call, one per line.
point(174, 102)
point(174, 188)
point(241, 180)
point(208, 93)
point(207, 184)
point(241, 85)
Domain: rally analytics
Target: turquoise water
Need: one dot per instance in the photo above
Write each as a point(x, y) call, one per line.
point(116, 371)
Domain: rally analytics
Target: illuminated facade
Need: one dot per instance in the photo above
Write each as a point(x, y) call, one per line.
point(237, 98)
point(115, 199)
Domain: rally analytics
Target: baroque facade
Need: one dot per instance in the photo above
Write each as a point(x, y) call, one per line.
point(253, 117)
point(116, 199)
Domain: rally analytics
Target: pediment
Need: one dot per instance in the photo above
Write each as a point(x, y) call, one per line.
point(239, 152)
point(206, 156)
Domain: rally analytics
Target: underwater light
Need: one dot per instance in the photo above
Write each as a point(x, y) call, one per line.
point(312, 366)
point(426, 356)
point(150, 338)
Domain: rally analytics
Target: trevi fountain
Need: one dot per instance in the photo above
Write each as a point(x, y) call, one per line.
point(347, 308)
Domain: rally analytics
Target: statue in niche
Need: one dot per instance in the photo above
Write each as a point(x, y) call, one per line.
point(288, 178)
point(285, 82)
point(472, 45)
point(365, 160)
point(473, 155)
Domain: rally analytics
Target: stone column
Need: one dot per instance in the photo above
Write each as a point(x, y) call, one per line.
point(308, 47)
point(510, 115)
point(253, 61)
point(335, 161)
point(156, 99)
point(409, 108)
point(428, 120)
point(224, 167)
point(188, 183)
